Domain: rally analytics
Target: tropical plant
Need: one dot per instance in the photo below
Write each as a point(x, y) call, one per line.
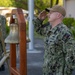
point(14, 3)
point(68, 22)
point(39, 5)
point(73, 28)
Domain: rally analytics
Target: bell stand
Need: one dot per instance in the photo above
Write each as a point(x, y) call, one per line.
point(22, 45)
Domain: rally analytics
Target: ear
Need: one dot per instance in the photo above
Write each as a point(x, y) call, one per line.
point(59, 15)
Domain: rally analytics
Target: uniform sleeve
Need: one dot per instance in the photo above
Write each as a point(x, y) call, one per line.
point(3, 31)
point(69, 49)
point(3, 26)
point(39, 26)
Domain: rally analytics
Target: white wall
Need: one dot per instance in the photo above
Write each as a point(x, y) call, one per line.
point(70, 8)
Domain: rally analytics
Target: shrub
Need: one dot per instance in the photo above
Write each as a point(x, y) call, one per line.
point(73, 28)
point(7, 29)
point(68, 21)
point(73, 24)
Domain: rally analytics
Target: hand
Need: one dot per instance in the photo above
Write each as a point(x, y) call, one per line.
point(42, 15)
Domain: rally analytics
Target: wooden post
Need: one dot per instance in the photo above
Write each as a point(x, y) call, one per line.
point(22, 44)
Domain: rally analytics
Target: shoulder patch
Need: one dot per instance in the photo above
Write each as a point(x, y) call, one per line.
point(66, 37)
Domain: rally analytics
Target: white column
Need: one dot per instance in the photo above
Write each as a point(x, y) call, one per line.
point(31, 26)
point(64, 3)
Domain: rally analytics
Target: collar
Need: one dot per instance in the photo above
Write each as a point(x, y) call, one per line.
point(56, 28)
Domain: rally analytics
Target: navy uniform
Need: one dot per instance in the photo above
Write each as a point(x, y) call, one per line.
point(3, 30)
point(59, 57)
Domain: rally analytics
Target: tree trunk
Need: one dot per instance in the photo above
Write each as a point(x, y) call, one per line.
point(51, 3)
point(57, 1)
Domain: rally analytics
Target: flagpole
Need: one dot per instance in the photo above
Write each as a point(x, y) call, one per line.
point(31, 26)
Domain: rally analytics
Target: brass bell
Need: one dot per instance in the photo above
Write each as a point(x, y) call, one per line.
point(13, 36)
point(28, 40)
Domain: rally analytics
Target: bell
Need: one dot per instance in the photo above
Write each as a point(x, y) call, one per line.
point(13, 36)
point(27, 39)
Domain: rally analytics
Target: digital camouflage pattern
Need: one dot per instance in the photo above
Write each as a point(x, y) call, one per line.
point(59, 57)
point(3, 30)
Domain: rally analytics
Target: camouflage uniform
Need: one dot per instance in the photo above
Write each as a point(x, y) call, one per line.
point(59, 57)
point(3, 29)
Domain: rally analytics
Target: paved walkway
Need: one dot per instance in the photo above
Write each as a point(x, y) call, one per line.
point(34, 59)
